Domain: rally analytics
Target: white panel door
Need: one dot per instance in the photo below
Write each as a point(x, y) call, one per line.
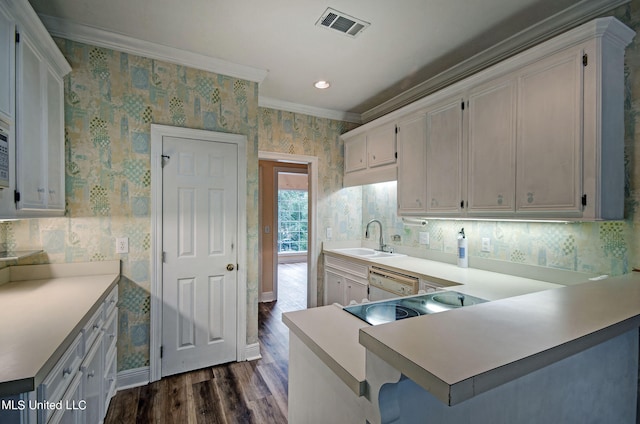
point(200, 214)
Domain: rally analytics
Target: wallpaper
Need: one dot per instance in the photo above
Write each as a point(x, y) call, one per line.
point(111, 99)
point(592, 247)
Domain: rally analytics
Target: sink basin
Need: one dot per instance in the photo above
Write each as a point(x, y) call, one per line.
point(364, 252)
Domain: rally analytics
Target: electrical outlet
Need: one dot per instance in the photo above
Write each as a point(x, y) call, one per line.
point(424, 237)
point(486, 244)
point(122, 245)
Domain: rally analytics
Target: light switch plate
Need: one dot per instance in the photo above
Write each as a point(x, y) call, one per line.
point(424, 237)
point(329, 233)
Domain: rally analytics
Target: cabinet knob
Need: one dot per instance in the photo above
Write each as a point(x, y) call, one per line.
point(91, 374)
point(96, 326)
point(66, 372)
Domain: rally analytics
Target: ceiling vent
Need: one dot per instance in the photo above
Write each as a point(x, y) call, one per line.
point(348, 25)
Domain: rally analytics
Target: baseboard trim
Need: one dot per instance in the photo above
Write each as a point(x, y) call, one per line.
point(252, 352)
point(135, 377)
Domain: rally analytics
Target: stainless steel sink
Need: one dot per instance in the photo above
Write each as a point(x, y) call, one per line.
point(364, 252)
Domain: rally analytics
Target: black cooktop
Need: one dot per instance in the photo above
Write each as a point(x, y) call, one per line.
point(412, 306)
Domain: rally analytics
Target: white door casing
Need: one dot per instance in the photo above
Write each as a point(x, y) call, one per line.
point(312, 250)
point(198, 307)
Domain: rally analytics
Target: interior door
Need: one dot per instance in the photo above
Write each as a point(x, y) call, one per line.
point(199, 272)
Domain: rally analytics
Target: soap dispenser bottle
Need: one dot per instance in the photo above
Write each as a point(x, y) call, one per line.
point(463, 258)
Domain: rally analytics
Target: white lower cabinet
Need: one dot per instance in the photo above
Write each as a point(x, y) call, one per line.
point(80, 385)
point(92, 383)
point(345, 281)
point(73, 404)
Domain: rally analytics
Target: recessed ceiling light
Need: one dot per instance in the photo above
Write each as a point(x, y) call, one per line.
point(322, 84)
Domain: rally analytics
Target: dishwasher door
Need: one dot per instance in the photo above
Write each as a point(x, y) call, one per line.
point(386, 284)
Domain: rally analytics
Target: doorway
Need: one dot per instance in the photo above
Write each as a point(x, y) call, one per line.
point(283, 169)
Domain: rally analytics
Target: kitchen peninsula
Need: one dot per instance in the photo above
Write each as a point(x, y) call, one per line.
point(569, 352)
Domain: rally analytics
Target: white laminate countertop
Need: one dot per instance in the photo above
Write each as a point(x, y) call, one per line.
point(458, 354)
point(476, 282)
point(332, 334)
point(41, 316)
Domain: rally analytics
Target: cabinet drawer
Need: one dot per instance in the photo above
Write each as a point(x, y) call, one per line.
point(92, 328)
point(354, 268)
point(111, 302)
point(59, 379)
point(110, 330)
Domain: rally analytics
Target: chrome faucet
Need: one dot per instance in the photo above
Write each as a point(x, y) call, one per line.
point(366, 233)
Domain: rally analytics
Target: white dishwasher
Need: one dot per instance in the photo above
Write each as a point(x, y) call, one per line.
point(387, 284)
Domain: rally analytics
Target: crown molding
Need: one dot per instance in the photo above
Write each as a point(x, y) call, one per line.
point(554, 25)
point(98, 37)
point(337, 115)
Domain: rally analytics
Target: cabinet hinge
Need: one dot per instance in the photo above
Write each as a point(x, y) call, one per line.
point(16, 196)
point(397, 129)
point(164, 257)
point(462, 105)
point(585, 59)
point(462, 204)
point(584, 200)
point(161, 351)
point(17, 37)
point(396, 155)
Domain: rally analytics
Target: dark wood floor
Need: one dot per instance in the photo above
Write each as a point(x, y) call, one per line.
point(238, 392)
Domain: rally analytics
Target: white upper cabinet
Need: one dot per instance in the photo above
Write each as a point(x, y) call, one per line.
point(370, 155)
point(37, 174)
point(491, 121)
point(537, 136)
point(444, 157)
point(381, 146)
point(412, 166)
point(355, 154)
point(549, 137)
point(7, 67)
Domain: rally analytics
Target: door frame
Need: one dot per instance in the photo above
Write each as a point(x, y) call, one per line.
point(155, 333)
point(312, 249)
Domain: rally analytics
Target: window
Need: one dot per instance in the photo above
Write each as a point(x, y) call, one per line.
point(292, 221)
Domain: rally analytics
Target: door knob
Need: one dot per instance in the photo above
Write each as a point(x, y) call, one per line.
point(230, 267)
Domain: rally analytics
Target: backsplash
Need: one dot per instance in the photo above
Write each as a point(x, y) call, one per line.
point(592, 247)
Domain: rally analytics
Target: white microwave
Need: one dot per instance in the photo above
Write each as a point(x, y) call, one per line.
point(4, 156)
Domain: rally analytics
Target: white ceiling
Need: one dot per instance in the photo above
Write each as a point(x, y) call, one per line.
point(408, 42)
